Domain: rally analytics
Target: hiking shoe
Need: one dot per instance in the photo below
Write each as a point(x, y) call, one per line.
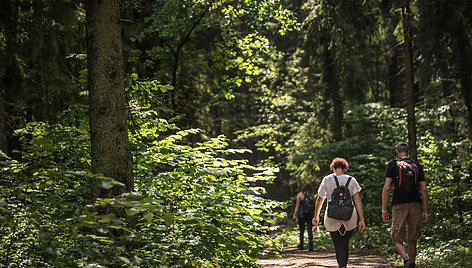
point(300, 246)
point(409, 264)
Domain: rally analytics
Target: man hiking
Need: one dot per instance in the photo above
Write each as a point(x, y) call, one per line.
point(407, 176)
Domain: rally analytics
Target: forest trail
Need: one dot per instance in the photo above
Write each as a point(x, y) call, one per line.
point(294, 258)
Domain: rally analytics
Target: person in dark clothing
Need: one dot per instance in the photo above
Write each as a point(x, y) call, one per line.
point(305, 210)
point(407, 176)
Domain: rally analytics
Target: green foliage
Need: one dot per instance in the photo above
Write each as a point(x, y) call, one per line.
point(206, 192)
point(35, 37)
point(192, 205)
point(210, 52)
point(290, 237)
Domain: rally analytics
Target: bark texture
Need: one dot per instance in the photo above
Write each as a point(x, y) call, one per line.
point(330, 76)
point(110, 151)
point(464, 70)
point(3, 125)
point(410, 94)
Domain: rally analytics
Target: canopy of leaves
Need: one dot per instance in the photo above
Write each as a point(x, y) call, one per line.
point(228, 102)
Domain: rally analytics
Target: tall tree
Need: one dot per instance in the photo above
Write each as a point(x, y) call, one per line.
point(38, 78)
point(464, 56)
point(110, 151)
point(11, 75)
point(336, 34)
point(410, 94)
point(3, 126)
point(393, 57)
point(330, 77)
point(444, 42)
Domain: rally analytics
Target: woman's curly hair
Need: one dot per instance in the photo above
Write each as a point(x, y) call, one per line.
point(339, 163)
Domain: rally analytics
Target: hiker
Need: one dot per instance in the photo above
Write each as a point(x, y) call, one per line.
point(304, 210)
point(406, 175)
point(340, 230)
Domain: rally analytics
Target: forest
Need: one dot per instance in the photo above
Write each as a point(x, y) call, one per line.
point(177, 133)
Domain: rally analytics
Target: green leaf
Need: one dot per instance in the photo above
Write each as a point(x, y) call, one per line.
point(241, 237)
point(107, 218)
point(106, 184)
point(148, 216)
point(165, 88)
point(124, 259)
point(168, 219)
point(131, 211)
point(163, 258)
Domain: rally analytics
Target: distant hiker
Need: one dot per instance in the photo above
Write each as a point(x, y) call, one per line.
point(406, 175)
point(304, 210)
point(335, 187)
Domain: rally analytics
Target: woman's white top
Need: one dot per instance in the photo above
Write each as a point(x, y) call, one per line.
point(326, 189)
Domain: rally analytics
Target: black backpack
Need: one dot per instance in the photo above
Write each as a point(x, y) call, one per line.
point(407, 179)
point(340, 206)
point(307, 208)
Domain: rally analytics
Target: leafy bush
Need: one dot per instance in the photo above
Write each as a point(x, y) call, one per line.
point(192, 205)
point(289, 237)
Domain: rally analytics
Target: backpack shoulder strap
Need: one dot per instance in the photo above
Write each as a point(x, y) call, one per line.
point(348, 181)
point(336, 180)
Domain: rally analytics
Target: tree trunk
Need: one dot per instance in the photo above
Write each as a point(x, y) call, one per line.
point(392, 60)
point(332, 90)
point(392, 80)
point(410, 94)
point(464, 71)
point(110, 151)
point(11, 77)
point(3, 124)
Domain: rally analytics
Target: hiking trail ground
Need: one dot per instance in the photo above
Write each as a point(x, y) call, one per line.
point(293, 257)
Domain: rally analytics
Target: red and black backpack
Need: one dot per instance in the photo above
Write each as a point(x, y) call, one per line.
point(407, 178)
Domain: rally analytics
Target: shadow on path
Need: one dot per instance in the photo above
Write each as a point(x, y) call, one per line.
point(294, 257)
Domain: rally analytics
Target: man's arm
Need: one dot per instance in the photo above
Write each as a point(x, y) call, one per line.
point(424, 195)
point(385, 197)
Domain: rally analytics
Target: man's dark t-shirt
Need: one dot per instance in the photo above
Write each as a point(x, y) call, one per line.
point(392, 172)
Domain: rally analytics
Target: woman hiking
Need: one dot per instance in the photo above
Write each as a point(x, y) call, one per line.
point(340, 230)
point(305, 209)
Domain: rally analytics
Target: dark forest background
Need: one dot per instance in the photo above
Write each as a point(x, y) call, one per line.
point(174, 137)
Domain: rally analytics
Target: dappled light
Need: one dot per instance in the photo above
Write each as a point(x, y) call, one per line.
point(178, 133)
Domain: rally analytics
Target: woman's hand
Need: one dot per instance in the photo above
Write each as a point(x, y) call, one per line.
point(316, 220)
point(361, 227)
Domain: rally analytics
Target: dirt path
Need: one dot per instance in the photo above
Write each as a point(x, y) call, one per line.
point(323, 259)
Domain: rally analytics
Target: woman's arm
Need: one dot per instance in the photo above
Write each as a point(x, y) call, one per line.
point(318, 205)
point(360, 211)
point(297, 206)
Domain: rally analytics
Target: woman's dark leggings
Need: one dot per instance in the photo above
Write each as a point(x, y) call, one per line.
point(341, 244)
point(305, 222)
